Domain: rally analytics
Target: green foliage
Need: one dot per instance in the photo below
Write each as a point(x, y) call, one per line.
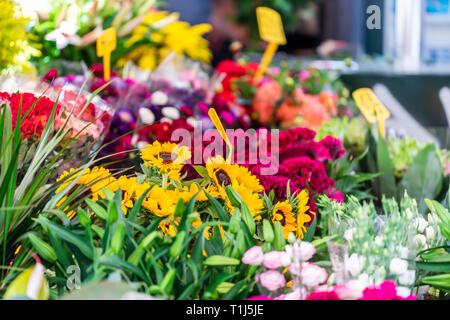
point(424, 178)
point(182, 267)
point(435, 262)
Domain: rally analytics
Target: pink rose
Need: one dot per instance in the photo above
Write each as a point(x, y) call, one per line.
point(346, 293)
point(272, 280)
point(304, 251)
point(297, 294)
point(275, 260)
point(253, 256)
point(313, 275)
point(294, 268)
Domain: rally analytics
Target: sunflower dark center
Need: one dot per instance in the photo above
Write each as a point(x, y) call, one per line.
point(282, 221)
point(223, 178)
point(166, 157)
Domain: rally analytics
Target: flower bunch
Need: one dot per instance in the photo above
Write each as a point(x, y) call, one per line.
point(15, 45)
point(35, 111)
point(302, 164)
point(283, 98)
point(287, 274)
point(160, 33)
point(381, 247)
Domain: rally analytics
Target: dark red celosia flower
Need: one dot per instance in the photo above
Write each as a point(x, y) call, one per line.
point(305, 171)
point(311, 149)
point(334, 147)
point(37, 118)
point(296, 136)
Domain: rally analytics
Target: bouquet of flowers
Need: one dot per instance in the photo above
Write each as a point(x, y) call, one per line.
point(144, 34)
point(283, 98)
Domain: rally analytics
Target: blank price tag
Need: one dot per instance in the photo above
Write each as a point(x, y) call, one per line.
point(271, 30)
point(270, 26)
point(371, 107)
point(106, 43)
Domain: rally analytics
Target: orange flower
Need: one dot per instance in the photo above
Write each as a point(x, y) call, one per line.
point(265, 99)
point(308, 107)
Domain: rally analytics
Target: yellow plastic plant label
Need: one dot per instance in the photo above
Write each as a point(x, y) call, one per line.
point(270, 26)
point(106, 43)
point(271, 30)
point(215, 119)
point(371, 107)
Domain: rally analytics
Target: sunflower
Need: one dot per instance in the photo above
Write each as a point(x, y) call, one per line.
point(302, 216)
point(94, 179)
point(222, 173)
point(283, 213)
point(251, 199)
point(166, 157)
point(189, 192)
point(160, 202)
point(169, 226)
point(245, 177)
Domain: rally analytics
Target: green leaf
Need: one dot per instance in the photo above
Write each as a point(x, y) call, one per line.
point(211, 289)
point(441, 281)
point(219, 208)
point(423, 179)
point(386, 168)
point(98, 209)
point(311, 231)
point(68, 236)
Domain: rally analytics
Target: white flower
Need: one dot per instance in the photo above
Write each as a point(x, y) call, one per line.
point(348, 234)
point(403, 252)
point(313, 275)
point(379, 240)
point(398, 266)
point(142, 145)
point(407, 278)
point(403, 292)
point(409, 214)
point(354, 264)
point(301, 251)
point(433, 219)
point(147, 117)
point(170, 112)
point(420, 241)
point(420, 224)
point(159, 98)
point(192, 121)
point(66, 34)
point(430, 234)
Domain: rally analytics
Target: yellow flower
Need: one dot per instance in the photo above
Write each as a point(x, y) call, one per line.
point(168, 227)
point(189, 192)
point(94, 179)
point(245, 177)
point(209, 232)
point(222, 173)
point(283, 213)
point(160, 202)
point(251, 199)
point(127, 202)
point(302, 216)
point(166, 157)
